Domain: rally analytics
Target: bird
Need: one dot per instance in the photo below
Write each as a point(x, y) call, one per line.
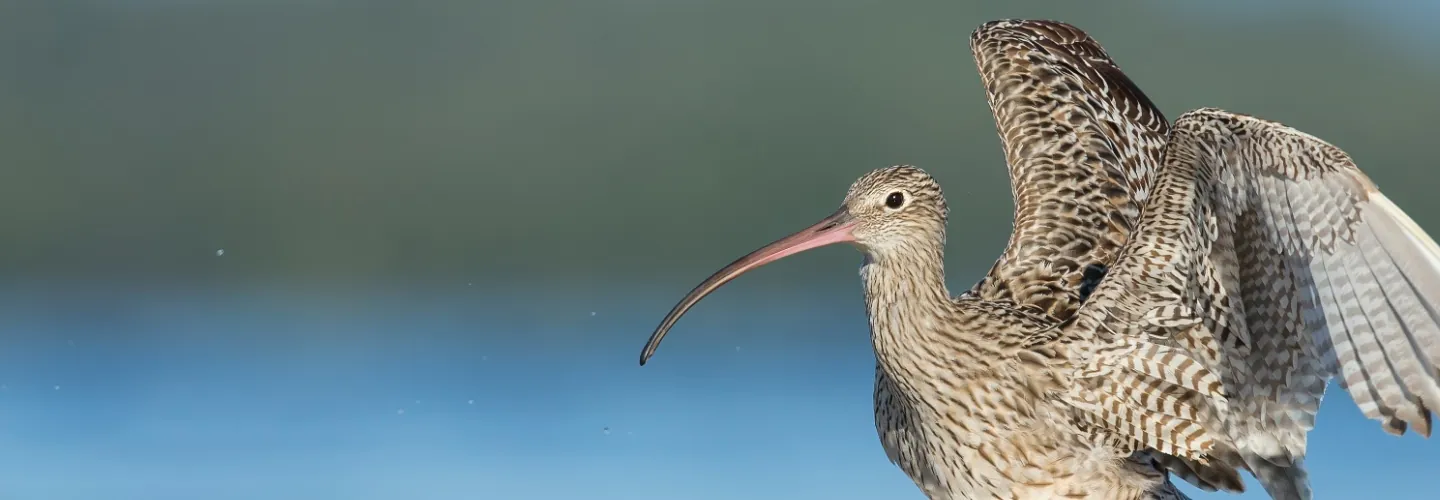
point(1173, 299)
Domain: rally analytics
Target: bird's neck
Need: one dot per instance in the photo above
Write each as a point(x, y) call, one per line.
point(906, 301)
point(920, 333)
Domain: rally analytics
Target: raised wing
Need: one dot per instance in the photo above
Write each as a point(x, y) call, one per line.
point(1265, 263)
point(1081, 141)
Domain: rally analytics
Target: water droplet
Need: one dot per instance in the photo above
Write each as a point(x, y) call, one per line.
point(607, 431)
point(483, 358)
point(57, 387)
point(470, 402)
point(592, 313)
point(220, 252)
point(400, 411)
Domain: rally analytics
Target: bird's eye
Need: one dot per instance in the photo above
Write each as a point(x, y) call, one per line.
point(895, 200)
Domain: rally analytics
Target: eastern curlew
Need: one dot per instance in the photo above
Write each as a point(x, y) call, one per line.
point(1172, 300)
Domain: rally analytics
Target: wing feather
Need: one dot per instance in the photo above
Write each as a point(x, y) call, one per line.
point(1301, 270)
point(1081, 141)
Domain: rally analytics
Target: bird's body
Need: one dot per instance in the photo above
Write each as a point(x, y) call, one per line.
point(970, 393)
point(991, 422)
point(1173, 299)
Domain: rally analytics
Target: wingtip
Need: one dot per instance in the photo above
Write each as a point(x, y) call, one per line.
point(1394, 426)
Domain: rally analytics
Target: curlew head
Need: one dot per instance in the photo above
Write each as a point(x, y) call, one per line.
point(890, 210)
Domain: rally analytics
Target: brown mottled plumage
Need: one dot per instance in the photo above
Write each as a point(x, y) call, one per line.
point(1244, 270)
point(1081, 141)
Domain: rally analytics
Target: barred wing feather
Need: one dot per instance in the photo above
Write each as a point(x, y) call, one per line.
point(1274, 264)
point(1082, 143)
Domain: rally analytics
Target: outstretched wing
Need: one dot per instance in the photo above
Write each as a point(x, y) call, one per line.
point(1265, 263)
point(1081, 141)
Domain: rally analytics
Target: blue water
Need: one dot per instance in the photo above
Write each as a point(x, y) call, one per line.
point(450, 391)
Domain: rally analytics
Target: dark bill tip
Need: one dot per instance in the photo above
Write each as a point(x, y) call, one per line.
point(837, 228)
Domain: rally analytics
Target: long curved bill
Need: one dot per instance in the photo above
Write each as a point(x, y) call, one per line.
point(837, 228)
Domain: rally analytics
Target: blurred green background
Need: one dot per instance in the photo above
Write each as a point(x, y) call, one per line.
point(593, 140)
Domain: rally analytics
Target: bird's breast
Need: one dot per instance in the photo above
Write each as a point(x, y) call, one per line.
point(974, 436)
